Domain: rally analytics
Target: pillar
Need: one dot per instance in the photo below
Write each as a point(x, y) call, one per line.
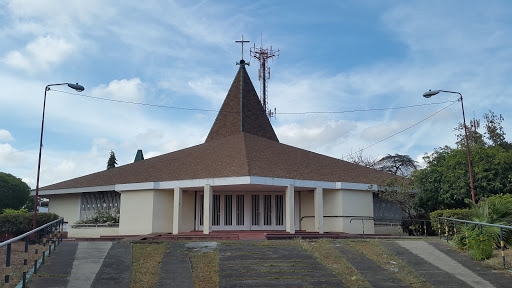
point(319, 210)
point(290, 209)
point(176, 217)
point(207, 209)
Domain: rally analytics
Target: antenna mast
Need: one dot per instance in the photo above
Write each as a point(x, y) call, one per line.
point(262, 55)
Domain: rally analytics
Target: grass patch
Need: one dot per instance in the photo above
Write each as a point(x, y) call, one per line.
point(145, 264)
point(205, 269)
point(17, 256)
point(496, 261)
point(385, 258)
point(327, 255)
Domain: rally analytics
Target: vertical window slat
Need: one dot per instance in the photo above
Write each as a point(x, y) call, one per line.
point(267, 210)
point(240, 210)
point(256, 210)
point(201, 211)
point(228, 210)
point(216, 210)
point(279, 210)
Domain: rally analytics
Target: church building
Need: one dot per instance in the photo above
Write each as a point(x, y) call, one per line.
point(240, 178)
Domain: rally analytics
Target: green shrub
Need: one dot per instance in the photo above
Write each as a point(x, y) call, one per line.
point(20, 223)
point(462, 214)
point(12, 211)
point(481, 245)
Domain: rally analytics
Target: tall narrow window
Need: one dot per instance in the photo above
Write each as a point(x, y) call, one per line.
point(255, 210)
point(201, 210)
point(228, 210)
point(240, 210)
point(279, 210)
point(267, 210)
point(216, 210)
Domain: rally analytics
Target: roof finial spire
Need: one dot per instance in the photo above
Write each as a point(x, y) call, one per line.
point(242, 62)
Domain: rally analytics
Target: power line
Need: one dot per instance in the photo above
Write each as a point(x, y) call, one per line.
point(366, 110)
point(281, 113)
point(136, 103)
point(417, 123)
point(289, 113)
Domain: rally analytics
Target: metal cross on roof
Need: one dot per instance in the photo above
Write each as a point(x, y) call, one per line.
point(242, 42)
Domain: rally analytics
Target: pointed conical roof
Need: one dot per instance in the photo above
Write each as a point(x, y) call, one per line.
point(241, 142)
point(241, 112)
point(234, 156)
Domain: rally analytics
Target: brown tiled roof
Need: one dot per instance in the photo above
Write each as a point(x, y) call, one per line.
point(232, 150)
point(242, 154)
point(235, 117)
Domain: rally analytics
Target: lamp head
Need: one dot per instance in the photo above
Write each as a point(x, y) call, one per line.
point(430, 93)
point(78, 88)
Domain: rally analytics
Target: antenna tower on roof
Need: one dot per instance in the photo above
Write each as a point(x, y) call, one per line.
point(263, 55)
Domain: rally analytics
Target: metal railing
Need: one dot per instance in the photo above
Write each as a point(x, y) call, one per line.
point(398, 222)
point(480, 224)
point(401, 224)
point(48, 235)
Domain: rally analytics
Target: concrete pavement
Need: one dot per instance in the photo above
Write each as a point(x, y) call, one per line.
point(261, 264)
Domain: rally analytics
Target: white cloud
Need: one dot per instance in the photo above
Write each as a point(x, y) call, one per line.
point(40, 54)
point(5, 136)
point(11, 157)
point(209, 89)
point(52, 13)
point(124, 89)
point(315, 133)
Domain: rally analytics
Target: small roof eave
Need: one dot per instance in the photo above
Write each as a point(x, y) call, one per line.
point(74, 190)
point(226, 181)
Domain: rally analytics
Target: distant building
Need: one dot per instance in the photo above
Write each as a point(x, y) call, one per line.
point(240, 178)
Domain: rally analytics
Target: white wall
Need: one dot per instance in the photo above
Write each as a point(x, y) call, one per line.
point(92, 232)
point(145, 212)
point(136, 213)
point(357, 203)
point(65, 205)
point(307, 208)
point(163, 201)
point(187, 211)
point(348, 203)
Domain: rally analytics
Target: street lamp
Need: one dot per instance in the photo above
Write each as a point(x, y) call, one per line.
point(431, 93)
point(76, 87)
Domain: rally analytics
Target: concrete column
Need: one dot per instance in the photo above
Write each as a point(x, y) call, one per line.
point(176, 217)
point(207, 209)
point(319, 210)
point(290, 209)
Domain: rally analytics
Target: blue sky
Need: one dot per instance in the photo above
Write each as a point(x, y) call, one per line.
point(334, 56)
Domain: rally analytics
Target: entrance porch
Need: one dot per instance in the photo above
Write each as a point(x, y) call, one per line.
point(244, 204)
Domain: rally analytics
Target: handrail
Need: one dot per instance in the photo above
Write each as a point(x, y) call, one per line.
point(2, 244)
point(332, 216)
point(51, 234)
point(475, 223)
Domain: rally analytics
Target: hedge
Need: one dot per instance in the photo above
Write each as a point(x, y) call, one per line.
point(17, 224)
point(462, 214)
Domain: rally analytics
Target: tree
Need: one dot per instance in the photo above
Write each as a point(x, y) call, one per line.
point(494, 130)
point(399, 190)
point(397, 164)
point(361, 159)
point(444, 183)
point(494, 134)
point(474, 137)
point(112, 161)
point(14, 193)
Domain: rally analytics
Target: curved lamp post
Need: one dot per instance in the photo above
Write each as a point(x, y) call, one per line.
point(431, 93)
point(76, 87)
